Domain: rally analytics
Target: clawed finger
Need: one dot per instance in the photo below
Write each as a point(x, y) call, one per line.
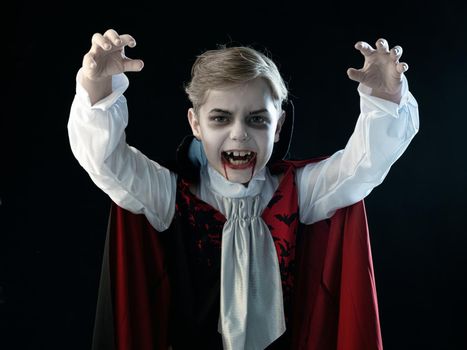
point(364, 48)
point(99, 42)
point(402, 67)
point(382, 45)
point(119, 40)
point(110, 40)
point(127, 39)
point(113, 37)
point(355, 74)
point(396, 52)
point(131, 65)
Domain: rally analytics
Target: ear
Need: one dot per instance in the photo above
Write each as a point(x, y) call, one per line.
point(280, 122)
point(194, 123)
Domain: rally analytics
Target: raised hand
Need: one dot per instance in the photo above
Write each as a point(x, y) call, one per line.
point(106, 58)
point(381, 70)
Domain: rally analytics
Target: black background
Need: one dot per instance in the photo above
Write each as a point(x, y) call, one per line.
point(53, 218)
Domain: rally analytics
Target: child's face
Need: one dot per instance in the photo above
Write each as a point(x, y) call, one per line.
point(238, 127)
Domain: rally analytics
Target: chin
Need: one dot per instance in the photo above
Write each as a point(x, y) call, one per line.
point(244, 180)
point(239, 176)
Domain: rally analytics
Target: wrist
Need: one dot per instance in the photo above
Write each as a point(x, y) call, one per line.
point(393, 97)
point(97, 89)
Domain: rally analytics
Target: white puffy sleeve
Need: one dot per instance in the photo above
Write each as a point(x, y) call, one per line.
point(97, 139)
point(383, 132)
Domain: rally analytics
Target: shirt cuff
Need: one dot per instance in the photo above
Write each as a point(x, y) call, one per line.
point(369, 102)
point(119, 85)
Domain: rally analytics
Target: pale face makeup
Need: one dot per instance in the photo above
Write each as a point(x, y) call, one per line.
point(238, 127)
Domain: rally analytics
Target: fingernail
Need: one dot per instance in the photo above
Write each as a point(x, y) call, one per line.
point(132, 43)
point(107, 46)
point(118, 42)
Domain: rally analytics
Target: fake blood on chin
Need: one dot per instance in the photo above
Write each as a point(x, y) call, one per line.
point(228, 165)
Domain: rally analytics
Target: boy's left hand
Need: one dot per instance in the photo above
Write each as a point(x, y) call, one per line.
point(381, 71)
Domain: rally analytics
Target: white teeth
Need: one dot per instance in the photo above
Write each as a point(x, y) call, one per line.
point(246, 155)
point(238, 153)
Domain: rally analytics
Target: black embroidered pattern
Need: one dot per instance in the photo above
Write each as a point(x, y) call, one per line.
point(287, 219)
point(276, 198)
point(204, 229)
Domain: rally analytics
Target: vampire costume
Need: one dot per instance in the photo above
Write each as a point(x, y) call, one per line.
point(163, 289)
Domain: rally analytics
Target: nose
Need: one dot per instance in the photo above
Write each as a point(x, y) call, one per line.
point(238, 132)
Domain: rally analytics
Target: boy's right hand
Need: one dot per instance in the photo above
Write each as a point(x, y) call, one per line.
point(106, 58)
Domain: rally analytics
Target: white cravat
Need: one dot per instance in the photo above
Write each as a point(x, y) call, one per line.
point(251, 311)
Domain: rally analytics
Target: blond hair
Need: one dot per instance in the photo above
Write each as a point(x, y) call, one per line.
point(228, 66)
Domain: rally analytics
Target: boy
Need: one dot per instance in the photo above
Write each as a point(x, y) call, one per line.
point(233, 267)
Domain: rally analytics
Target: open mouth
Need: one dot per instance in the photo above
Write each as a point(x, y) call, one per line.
point(238, 159)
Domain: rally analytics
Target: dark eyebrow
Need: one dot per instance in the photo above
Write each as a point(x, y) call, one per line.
point(223, 111)
point(258, 111)
point(218, 110)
